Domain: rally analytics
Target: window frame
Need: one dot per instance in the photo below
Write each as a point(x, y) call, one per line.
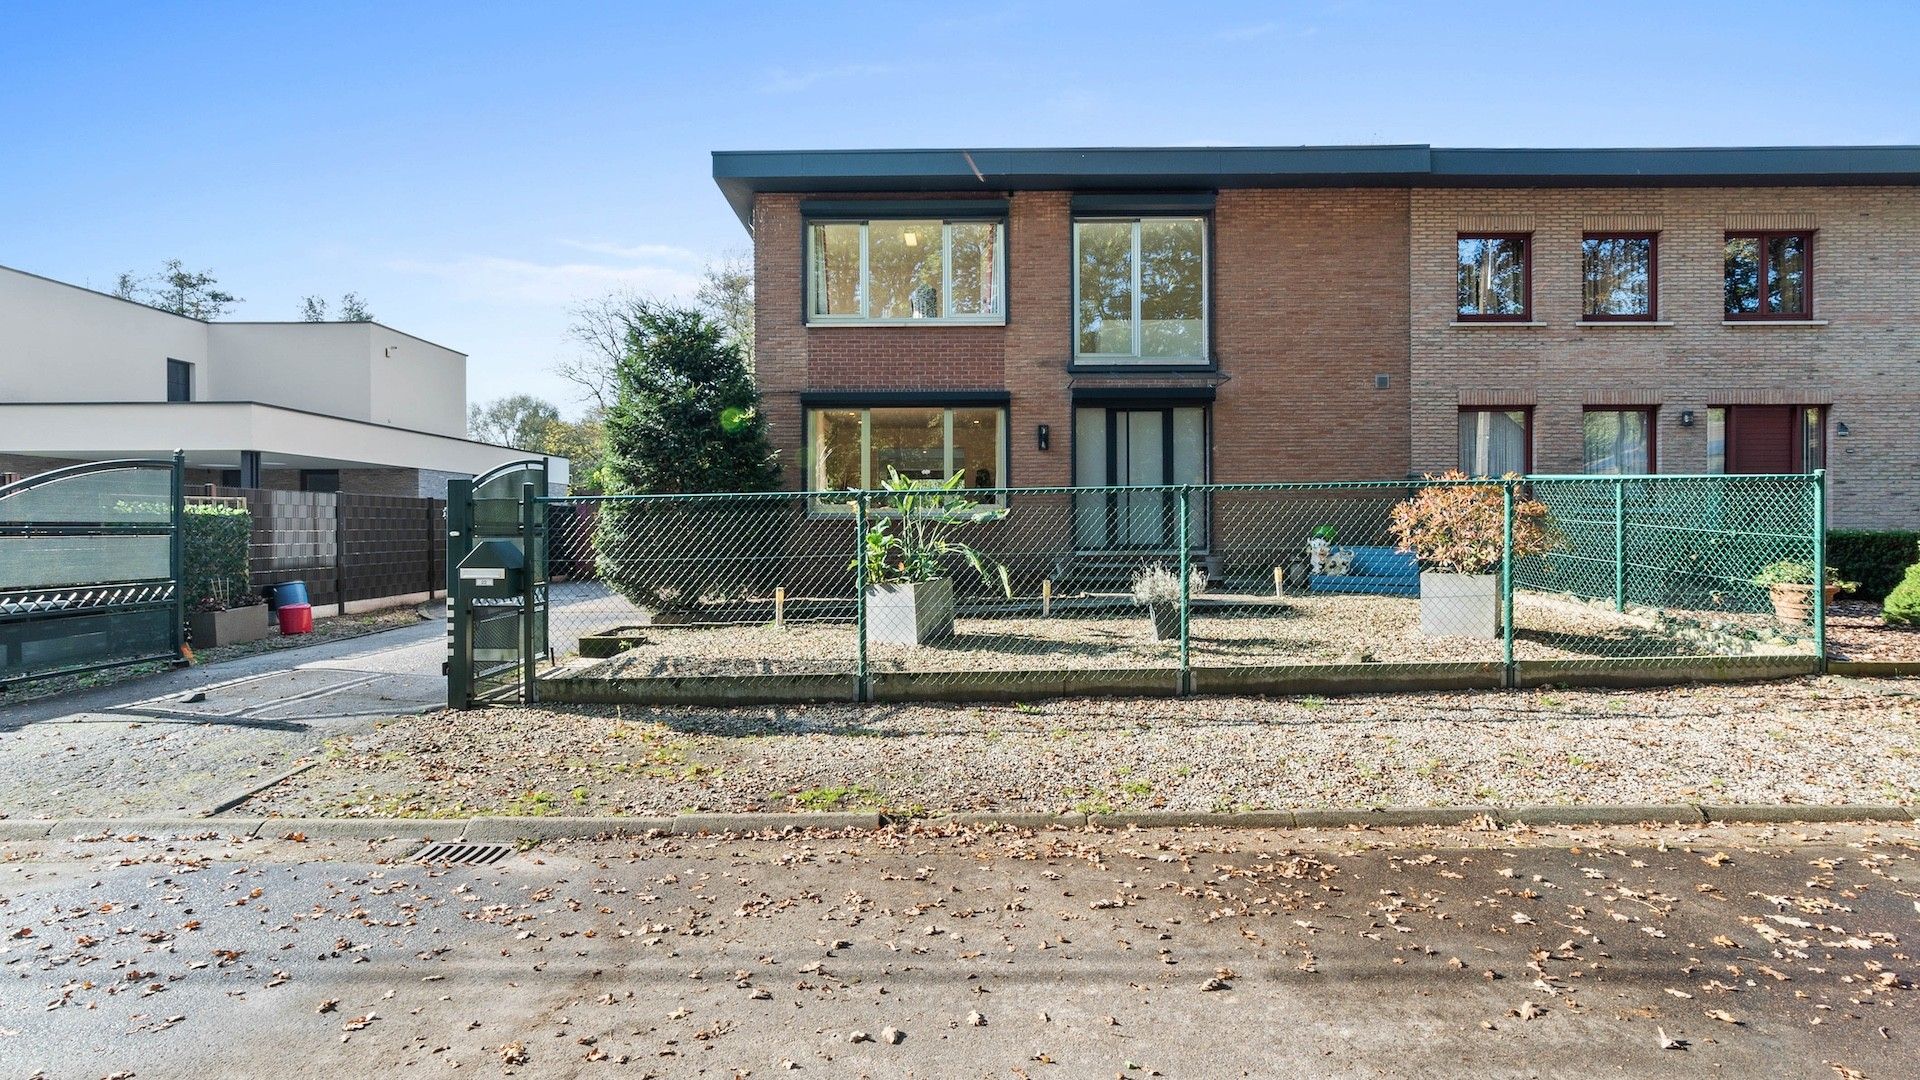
point(818, 505)
point(186, 368)
point(1652, 414)
point(997, 317)
point(1135, 359)
point(1526, 277)
point(1761, 237)
point(1526, 414)
point(1653, 276)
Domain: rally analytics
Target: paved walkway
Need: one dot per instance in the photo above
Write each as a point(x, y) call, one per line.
point(1703, 951)
point(184, 742)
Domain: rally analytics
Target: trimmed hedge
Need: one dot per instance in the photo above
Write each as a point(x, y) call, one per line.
point(1903, 603)
point(1877, 560)
point(214, 541)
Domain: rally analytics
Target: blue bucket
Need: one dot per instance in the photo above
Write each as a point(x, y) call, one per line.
point(288, 593)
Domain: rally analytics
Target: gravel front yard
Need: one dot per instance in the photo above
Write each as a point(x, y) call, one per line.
point(1825, 740)
point(1226, 631)
point(1855, 632)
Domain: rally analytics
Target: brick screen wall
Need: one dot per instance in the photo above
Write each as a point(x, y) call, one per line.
point(1865, 362)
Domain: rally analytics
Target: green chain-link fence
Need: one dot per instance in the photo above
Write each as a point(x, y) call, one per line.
point(1190, 589)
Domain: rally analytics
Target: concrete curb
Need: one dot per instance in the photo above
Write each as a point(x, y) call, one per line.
point(1768, 813)
point(495, 829)
point(232, 801)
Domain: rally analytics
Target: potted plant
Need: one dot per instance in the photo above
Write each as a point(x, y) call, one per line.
point(1157, 589)
point(222, 608)
point(1457, 533)
point(1789, 584)
point(905, 553)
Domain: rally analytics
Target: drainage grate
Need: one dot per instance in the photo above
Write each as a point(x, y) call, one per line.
point(458, 854)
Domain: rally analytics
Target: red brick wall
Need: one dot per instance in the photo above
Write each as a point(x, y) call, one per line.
point(1309, 305)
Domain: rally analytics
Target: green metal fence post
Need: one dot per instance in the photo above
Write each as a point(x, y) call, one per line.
point(1619, 544)
point(528, 669)
point(1506, 583)
point(177, 557)
point(1186, 599)
point(861, 691)
point(1820, 568)
point(459, 665)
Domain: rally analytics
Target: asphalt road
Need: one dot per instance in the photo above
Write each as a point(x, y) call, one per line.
point(1732, 951)
point(181, 742)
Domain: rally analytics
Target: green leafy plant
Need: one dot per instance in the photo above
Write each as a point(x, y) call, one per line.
point(1902, 607)
point(914, 540)
point(1878, 559)
point(1460, 528)
point(1797, 572)
point(1326, 532)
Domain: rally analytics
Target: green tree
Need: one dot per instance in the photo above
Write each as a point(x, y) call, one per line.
point(583, 443)
point(192, 293)
point(517, 420)
point(352, 309)
point(686, 415)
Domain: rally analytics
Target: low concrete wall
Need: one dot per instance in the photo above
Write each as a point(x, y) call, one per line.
point(1660, 671)
point(700, 690)
point(1345, 678)
point(1021, 685)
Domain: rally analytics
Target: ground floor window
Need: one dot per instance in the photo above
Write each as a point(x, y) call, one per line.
point(855, 447)
point(1617, 441)
point(1494, 442)
point(1766, 438)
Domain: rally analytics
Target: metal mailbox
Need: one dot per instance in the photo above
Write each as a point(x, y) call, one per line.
point(493, 570)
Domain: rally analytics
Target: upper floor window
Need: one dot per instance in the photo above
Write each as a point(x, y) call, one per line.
point(1769, 275)
point(1496, 278)
point(1140, 290)
point(1619, 277)
point(900, 270)
point(179, 380)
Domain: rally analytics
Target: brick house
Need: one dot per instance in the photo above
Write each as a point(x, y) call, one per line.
point(1142, 316)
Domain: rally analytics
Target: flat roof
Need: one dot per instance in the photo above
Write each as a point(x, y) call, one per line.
point(743, 174)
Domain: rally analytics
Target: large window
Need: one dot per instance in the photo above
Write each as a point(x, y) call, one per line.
point(855, 448)
point(1769, 275)
point(1496, 278)
point(1617, 441)
point(895, 271)
point(1494, 442)
point(1619, 277)
point(179, 380)
point(1140, 290)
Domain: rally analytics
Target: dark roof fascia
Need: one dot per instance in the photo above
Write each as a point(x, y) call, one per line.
point(743, 174)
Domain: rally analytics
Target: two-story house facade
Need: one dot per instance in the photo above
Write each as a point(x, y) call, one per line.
point(1035, 318)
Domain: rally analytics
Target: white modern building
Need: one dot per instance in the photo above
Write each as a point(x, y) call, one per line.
point(328, 406)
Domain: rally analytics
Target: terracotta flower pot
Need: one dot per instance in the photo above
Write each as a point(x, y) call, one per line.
point(1794, 603)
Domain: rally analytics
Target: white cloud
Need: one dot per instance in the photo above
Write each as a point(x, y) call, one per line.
point(498, 278)
point(1248, 33)
point(637, 252)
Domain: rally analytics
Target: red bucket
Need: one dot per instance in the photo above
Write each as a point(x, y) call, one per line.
point(296, 618)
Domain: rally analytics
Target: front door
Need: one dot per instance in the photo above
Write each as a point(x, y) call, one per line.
point(1774, 438)
point(1124, 447)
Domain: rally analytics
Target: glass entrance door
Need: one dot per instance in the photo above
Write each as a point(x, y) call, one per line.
point(1138, 447)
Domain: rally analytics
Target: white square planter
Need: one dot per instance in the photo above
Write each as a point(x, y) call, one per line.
point(1459, 605)
point(911, 614)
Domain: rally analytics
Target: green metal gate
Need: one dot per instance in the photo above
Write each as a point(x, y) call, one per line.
point(494, 643)
point(90, 560)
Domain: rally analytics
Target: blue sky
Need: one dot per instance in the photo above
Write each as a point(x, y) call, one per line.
point(474, 169)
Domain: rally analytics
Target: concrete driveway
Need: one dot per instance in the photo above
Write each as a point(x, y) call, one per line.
point(186, 742)
point(1708, 951)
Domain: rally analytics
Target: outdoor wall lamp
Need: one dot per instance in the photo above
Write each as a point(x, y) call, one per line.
point(1686, 417)
point(1041, 436)
point(1840, 430)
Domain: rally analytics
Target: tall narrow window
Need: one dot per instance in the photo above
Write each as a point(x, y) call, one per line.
point(1619, 277)
point(1617, 441)
point(1769, 275)
point(1140, 290)
point(1495, 274)
point(905, 270)
point(179, 380)
point(1494, 442)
